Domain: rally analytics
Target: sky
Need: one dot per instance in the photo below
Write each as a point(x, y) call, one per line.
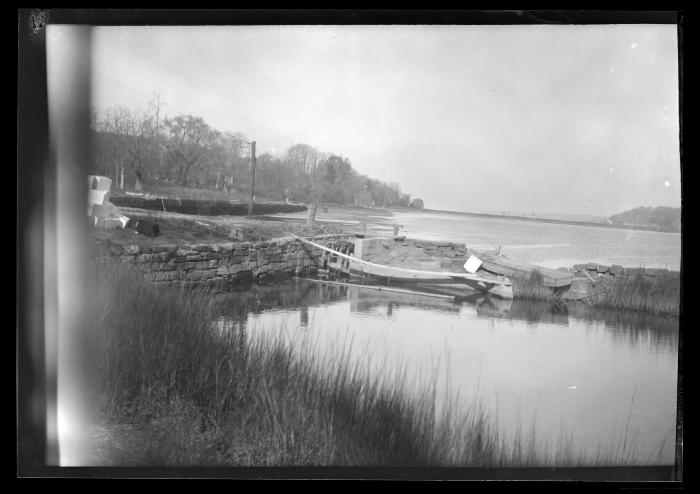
point(566, 119)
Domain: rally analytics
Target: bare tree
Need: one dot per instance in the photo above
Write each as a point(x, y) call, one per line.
point(303, 158)
point(157, 147)
point(139, 133)
point(115, 122)
point(189, 140)
point(235, 146)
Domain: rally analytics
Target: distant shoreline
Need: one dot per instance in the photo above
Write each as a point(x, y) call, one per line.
point(544, 220)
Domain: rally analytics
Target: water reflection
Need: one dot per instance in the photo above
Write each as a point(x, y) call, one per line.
point(626, 327)
point(364, 300)
point(528, 361)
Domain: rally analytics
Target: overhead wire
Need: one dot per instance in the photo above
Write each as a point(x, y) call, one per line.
point(151, 98)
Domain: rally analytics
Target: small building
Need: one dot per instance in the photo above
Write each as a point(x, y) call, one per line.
point(416, 203)
point(363, 198)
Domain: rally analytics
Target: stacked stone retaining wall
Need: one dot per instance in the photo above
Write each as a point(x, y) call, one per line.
point(216, 264)
point(431, 248)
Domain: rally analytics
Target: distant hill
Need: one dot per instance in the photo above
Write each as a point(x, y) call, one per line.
point(589, 218)
point(592, 218)
point(660, 218)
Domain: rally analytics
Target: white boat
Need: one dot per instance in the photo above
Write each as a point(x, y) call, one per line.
point(449, 282)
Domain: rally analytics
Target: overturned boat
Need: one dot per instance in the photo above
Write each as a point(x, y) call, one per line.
point(505, 266)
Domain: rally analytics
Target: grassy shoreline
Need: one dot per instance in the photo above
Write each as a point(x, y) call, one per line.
point(175, 389)
point(657, 295)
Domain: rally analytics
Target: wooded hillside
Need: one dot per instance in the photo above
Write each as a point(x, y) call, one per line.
point(185, 151)
point(661, 218)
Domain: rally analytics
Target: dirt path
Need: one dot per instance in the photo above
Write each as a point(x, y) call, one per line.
point(177, 228)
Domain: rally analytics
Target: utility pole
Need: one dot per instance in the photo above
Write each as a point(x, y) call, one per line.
point(253, 162)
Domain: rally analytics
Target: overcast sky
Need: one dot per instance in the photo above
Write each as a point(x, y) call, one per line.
point(569, 119)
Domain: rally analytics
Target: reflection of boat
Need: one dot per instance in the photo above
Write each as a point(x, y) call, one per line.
point(362, 300)
point(493, 307)
point(523, 310)
point(464, 282)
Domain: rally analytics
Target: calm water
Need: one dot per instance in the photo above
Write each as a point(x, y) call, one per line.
point(548, 244)
point(590, 376)
point(568, 372)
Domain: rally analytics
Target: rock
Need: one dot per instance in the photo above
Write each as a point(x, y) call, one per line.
point(592, 266)
point(603, 269)
point(616, 269)
point(132, 249)
point(579, 267)
point(194, 275)
point(116, 249)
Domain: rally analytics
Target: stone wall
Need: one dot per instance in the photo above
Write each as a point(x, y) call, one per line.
point(440, 249)
point(216, 264)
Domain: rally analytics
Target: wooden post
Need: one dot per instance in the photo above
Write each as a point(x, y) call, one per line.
point(253, 162)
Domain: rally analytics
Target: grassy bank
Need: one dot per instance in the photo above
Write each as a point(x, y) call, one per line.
point(176, 191)
point(638, 291)
point(659, 295)
point(175, 388)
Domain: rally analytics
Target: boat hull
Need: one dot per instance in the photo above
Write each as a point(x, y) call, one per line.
point(434, 282)
point(497, 285)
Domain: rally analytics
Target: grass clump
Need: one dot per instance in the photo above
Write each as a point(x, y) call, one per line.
point(532, 288)
point(639, 291)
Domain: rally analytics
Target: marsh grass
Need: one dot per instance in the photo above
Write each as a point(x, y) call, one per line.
point(637, 290)
point(532, 288)
point(659, 294)
point(178, 387)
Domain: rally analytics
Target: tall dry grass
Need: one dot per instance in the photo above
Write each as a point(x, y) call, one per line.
point(532, 288)
point(179, 387)
point(638, 291)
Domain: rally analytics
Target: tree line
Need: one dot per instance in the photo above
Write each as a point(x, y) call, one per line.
point(184, 150)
